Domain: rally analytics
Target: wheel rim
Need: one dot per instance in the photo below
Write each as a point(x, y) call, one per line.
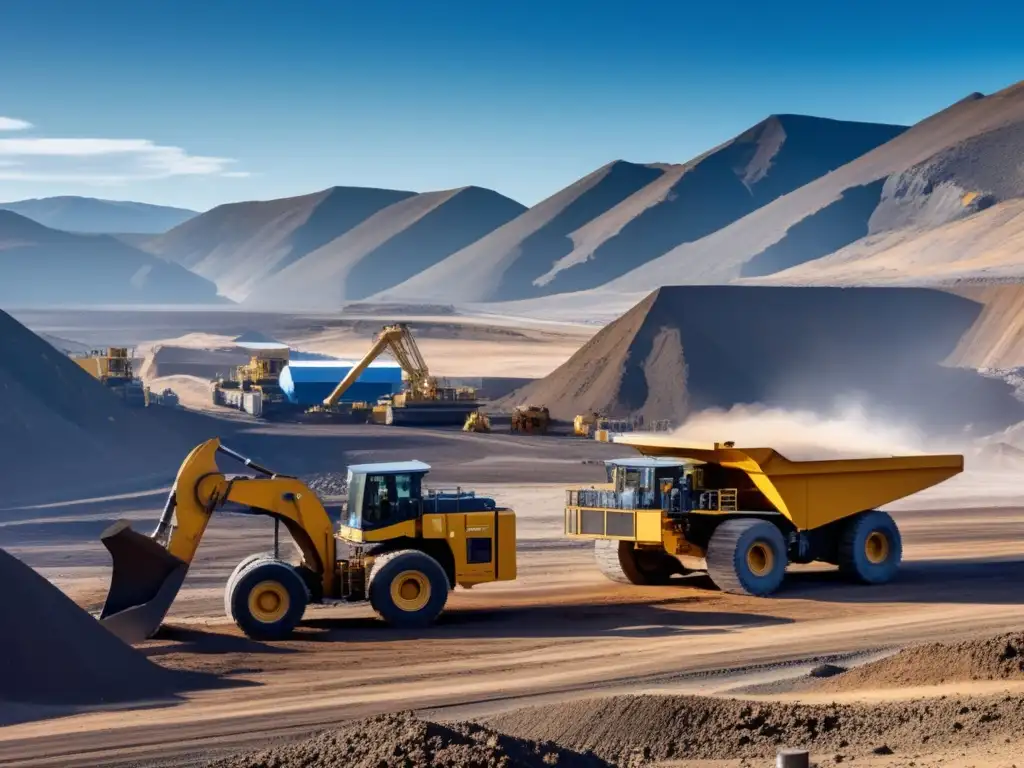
point(760, 559)
point(876, 547)
point(269, 602)
point(410, 590)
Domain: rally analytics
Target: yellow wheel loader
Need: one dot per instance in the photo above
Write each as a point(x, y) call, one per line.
point(405, 547)
point(748, 512)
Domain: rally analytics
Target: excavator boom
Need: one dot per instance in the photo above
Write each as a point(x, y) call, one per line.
point(148, 571)
point(398, 340)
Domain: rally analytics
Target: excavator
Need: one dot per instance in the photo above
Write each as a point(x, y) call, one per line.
point(397, 545)
point(424, 401)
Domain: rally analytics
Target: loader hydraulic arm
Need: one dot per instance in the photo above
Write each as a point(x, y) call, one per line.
point(149, 570)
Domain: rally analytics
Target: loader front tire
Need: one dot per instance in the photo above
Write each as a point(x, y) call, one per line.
point(407, 588)
point(622, 562)
point(870, 547)
point(267, 599)
point(747, 557)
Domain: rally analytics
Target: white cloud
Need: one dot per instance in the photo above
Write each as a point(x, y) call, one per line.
point(101, 161)
point(13, 124)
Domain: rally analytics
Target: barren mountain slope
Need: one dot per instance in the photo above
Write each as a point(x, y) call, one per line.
point(389, 247)
point(986, 246)
point(39, 265)
point(693, 200)
point(504, 264)
point(689, 348)
point(240, 244)
point(927, 164)
point(89, 214)
point(60, 424)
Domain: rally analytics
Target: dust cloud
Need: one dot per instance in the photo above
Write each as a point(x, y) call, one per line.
point(993, 473)
point(849, 431)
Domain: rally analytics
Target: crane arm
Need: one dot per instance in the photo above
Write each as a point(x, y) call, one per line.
point(383, 341)
point(399, 341)
point(149, 570)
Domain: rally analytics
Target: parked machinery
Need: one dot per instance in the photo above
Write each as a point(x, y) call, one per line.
point(254, 387)
point(399, 546)
point(424, 399)
point(584, 424)
point(114, 368)
point(531, 419)
point(747, 512)
point(477, 421)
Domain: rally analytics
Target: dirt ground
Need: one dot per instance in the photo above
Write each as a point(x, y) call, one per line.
point(559, 632)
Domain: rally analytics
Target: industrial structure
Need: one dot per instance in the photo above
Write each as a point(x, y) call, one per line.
point(405, 547)
point(748, 512)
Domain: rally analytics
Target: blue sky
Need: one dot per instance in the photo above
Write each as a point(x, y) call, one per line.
point(192, 103)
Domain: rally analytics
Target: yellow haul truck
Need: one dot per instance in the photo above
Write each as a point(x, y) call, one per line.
point(397, 545)
point(748, 512)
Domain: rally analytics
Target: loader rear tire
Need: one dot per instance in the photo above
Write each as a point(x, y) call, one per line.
point(267, 599)
point(622, 562)
point(747, 557)
point(870, 547)
point(407, 588)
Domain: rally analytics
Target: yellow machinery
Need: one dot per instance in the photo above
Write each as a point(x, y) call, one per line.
point(747, 512)
point(477, 421)
point(531, 419)
point(254, 387)
point(113, 367)
point(423, 401)
point(584, 424)
point(405, 547)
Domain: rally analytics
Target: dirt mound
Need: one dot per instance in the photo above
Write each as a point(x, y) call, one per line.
point(404, 741)
point(388, 248)
point(912, 178)
point(638, 730)
point(691, 348)
point(238, 245)
point(53, 652)
point(42, 266)
point(171, 360)
point(64, 433)
point(997, 658)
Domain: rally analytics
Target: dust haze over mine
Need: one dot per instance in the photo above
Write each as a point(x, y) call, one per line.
point(693, 460)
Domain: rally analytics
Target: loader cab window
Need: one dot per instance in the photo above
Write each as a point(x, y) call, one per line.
point(383, 500)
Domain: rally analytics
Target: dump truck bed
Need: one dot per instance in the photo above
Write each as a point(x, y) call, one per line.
point(814, 493)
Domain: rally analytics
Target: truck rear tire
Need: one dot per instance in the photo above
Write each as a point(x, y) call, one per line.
point(870, 547)
point(407, 588)
point(622, 562)
point(266, 599)
point(747, 557)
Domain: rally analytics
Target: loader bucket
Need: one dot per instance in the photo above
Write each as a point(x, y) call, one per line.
point(145, 580)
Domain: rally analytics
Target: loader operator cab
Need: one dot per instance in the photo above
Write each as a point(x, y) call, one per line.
point(380, 495)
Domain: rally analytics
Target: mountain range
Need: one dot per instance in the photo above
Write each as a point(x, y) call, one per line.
point(793, 200)
point(88, 214)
